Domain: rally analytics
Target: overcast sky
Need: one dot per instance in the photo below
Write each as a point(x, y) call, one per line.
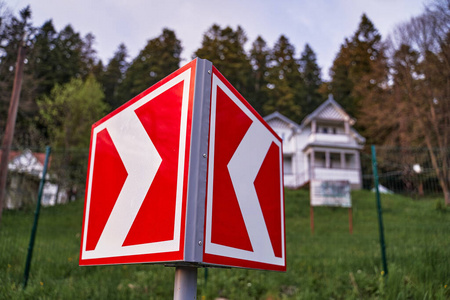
point(323, 24)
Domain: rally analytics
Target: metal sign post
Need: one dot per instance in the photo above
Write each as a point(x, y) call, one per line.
point(185, 286)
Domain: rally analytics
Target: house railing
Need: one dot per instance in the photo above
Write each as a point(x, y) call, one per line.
point(328, 137)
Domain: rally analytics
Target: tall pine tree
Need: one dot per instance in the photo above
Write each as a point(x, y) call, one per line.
point(351, 73)
point(260, 59)
point(69, 55)
point(285, 82)
point(114, 75)
point(224, 47)
point(159, 58)
point(311, 77)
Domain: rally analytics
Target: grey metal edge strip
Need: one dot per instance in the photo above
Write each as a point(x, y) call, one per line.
point(198, 162)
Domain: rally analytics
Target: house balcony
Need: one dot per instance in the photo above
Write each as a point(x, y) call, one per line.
point(329, 138)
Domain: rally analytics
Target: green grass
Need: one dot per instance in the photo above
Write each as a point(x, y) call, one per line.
point(329, 264)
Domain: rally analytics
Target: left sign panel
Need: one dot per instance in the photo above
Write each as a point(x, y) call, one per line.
point(136, 185)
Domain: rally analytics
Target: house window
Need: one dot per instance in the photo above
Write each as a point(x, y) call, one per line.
point(328, 130)
point(287, 164)
point(335, 160)
point(46, 199)
point(15, 180)
point(350, 161)
point(320, 160)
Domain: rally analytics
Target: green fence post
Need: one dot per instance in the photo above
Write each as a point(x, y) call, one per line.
point(380, 212)
point(36, 218)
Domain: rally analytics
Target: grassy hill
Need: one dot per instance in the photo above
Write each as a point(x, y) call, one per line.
point(329, 264)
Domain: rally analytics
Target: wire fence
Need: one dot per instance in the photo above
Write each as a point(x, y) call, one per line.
point(405, 171)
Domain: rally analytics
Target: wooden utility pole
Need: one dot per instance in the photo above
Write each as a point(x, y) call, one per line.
point(10, 124)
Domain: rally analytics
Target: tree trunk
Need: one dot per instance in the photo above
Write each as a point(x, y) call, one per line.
point(446, 196)
point(440, 172)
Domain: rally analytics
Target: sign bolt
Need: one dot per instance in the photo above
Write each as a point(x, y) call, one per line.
point(204, 155)
point(209, 71)
point(200, 243)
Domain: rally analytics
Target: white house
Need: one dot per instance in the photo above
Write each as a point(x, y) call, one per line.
point(25, 171)
point(323, 147)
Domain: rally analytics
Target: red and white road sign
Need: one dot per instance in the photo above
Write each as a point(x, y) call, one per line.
point(244, 223)
point(137, 177)
point(186, 172)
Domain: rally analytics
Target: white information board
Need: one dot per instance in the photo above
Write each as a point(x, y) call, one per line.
point(330, 193)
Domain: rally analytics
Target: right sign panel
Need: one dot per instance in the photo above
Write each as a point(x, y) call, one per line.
point(244, 220)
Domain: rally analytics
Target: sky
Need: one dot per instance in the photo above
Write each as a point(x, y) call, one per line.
point(323, 24)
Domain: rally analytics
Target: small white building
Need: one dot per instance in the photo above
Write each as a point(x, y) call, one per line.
point(324, 147)
point(25, 171)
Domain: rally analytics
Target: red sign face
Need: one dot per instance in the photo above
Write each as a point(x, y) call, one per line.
point(137, 177)
point(244, 219)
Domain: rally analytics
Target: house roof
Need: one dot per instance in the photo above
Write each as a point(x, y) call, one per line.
point(277, 118)
point(359, 137)
point(329, 110)
point(40, 157)
point(12, 155)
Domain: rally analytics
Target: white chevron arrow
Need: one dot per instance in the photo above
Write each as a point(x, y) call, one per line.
point(243, 168)
point(141, 171)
